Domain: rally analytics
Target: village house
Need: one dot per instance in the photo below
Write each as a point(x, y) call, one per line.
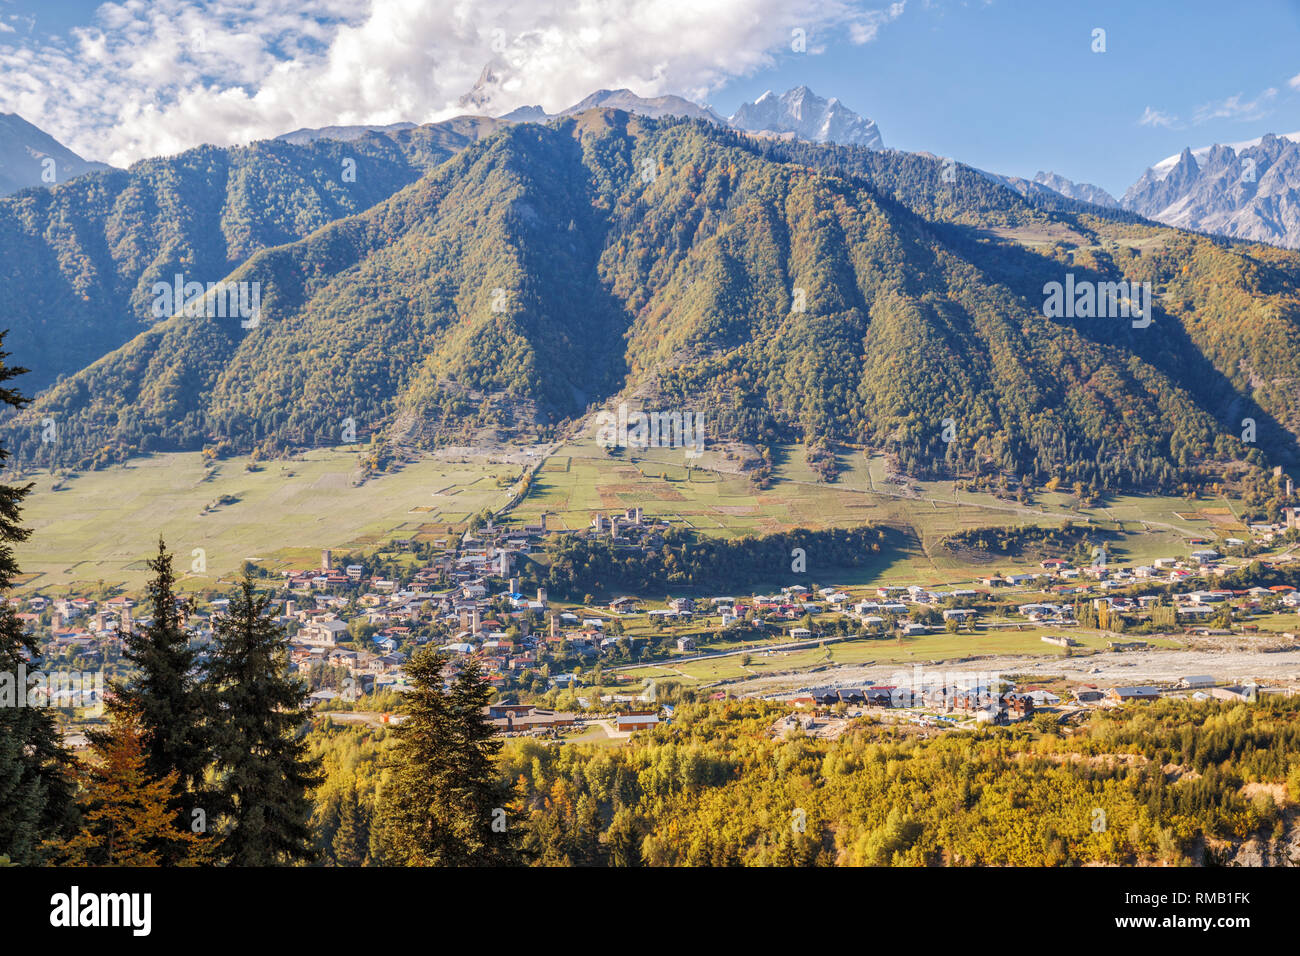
point(636, 720)
point(324, 632)
point(1124, 695)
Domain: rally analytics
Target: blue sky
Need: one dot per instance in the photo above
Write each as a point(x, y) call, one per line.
point(1014, 86)
point(1011, 85)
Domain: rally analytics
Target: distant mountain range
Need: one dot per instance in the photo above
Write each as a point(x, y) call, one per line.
point(1050, 185)
point(439, 283)
point(1247, 190)
point(797, 114)
point(345, 134)
point(803, 114)
point(31, 157)
point(654, 107)
point(1084, 192)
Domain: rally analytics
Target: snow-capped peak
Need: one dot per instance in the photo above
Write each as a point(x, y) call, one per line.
point(1163, 168)
point(802, 113)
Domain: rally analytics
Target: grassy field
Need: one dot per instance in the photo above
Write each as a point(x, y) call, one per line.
point(1277, 623)
point(581, 479)
point(101, 525)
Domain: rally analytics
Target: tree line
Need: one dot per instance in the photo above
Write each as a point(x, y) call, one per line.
point(580, 564)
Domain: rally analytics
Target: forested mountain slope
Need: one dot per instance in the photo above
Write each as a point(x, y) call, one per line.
point(834, 295)
point(78, 260)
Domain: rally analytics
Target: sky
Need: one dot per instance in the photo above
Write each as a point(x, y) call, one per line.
point(1096, 91)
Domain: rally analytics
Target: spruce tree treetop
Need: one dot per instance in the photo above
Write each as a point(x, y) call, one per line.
point(265, 774)
point(166, 690)
point(445, 803)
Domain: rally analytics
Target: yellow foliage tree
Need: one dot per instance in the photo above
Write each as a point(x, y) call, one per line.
point(126, 820)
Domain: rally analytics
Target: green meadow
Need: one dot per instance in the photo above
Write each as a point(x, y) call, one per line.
point(581, 479)
point(102, 525)
point(99, 526)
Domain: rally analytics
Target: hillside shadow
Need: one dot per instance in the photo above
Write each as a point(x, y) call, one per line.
point(1165, 344)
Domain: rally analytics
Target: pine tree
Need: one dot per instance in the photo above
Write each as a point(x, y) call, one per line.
point(352, 839)
point(127, 812)
point(265, 774)
point(486, 838)
point(586, 835)
point(167, 695)
point(444, 804)
point(35, 790)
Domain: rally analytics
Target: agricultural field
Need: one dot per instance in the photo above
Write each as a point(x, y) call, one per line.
point(1277, 623)
point(102, 525)
point(99, 526)
point(581, 478)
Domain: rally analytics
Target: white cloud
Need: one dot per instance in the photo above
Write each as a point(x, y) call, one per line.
point(866, 28)
point(159, 77)
point(1234, 108)
point(1294, 82)
point(1153, 117)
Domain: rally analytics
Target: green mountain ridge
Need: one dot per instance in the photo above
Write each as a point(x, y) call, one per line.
point(78, 261)
point(544, 269)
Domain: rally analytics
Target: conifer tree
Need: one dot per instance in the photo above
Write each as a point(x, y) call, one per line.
point(586, 833)
point(35, 789)
point(624, 840)
point(265, 774)
point(127, 815)
point(486, 837)
point(166, 694)
point(352, 839)
point(444, 804)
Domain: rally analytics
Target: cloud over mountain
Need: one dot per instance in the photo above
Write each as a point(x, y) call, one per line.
point(148, 80)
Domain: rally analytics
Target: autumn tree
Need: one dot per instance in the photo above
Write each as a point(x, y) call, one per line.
point(127, 815)
point(166, 693)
